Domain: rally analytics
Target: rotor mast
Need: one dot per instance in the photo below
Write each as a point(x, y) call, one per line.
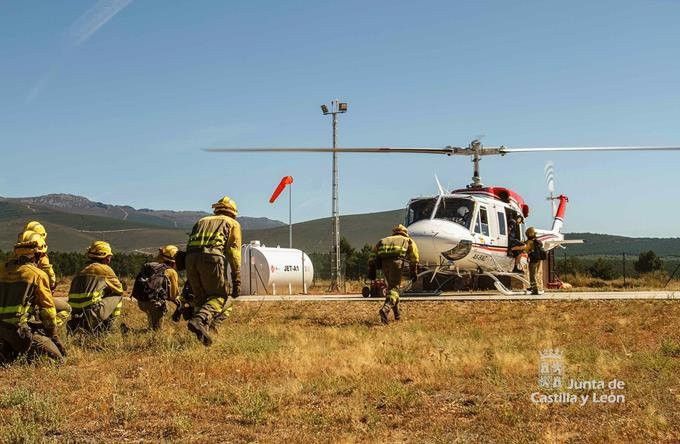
point(476, 149)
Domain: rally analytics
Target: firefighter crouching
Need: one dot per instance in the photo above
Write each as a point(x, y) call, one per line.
point(23, 287)
point(157, 283)
point(60, 303)
point(213, 239)
point(96, 293)
point(391, 253)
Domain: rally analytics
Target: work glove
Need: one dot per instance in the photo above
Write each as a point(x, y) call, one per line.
point(59, 345)
point(235, 285)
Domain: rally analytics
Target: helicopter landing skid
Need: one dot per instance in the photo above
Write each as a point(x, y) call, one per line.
point(502, 288)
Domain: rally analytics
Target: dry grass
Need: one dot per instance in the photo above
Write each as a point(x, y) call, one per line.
point(329, 372)
point(650, 281)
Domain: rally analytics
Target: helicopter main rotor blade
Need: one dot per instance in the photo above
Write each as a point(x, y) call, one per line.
point(446, 150)
point(504, 150)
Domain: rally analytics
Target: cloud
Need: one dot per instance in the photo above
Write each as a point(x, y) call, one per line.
point(94, 18)
point(78, 33)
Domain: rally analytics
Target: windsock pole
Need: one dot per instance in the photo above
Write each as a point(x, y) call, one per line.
point(290, 215)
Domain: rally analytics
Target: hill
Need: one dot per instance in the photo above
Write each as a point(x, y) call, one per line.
point(315, 235)
point(72, 231)
point(606, 244)
point(69, 203)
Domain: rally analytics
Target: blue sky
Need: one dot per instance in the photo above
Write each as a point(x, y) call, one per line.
point(114, 99)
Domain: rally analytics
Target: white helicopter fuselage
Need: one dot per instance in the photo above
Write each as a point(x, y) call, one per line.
point(478, 240)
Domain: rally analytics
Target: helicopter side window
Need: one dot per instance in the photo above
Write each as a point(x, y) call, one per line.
point(501, 223)
point(456, 210)
point(419, 210)
point(482, 226)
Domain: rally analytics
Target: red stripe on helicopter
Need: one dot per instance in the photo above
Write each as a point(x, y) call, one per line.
point(491, 247)
point(500, 193)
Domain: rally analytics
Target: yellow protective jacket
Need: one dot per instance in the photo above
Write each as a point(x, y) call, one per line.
point(173, 277)
point(398, 246)
point(44, 265)
point(219, 235)
point(91, 284)
point(24, 286)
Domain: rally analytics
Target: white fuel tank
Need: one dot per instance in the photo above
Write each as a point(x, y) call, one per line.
point(267, 270)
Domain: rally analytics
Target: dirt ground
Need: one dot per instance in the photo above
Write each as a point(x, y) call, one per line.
point(304, 371)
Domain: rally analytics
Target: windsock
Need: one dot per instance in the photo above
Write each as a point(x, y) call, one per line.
point(287, 180)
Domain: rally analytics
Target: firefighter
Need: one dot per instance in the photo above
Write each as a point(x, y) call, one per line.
point(532, 247)
point(213, 239)
point(23, 287)
point(60, 303)
point(392, 252)
point(44, 263)
point(96, 293)
point(157, 283)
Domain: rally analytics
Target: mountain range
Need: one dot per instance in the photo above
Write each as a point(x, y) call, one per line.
point(74, 221)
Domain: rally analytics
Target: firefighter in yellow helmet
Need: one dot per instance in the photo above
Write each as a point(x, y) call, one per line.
point(96, 293)
point(157, 283)
point(60, 303)
point(392, 253)
point(213, 240)
point(534, 249)
point(23, 287)
point(44, 263)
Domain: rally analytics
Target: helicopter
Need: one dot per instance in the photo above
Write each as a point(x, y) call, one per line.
point(466, 234)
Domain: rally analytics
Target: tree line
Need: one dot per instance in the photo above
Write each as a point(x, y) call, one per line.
point(68, 264)
point(608, 268)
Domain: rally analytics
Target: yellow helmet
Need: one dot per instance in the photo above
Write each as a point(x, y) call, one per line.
point(400, 229)
point(167, 253)
point(226, 205)
point(36, 227)
point(29, 243)
point(531, 232)
point(99, 250)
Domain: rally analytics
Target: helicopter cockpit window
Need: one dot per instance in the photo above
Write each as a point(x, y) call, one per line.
point(482, 226)
point(420, 209)
point(456, 210)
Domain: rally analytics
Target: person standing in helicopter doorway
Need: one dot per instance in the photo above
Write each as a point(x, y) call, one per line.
point(392, 252)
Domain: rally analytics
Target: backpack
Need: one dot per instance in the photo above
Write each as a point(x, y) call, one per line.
point(151, 284)
point(538, 253)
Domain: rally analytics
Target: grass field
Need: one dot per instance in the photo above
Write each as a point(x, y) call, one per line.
point(448, 372)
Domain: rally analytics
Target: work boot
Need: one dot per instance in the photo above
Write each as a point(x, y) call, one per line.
point(384, 312)
point(395, 310)
point(199, 330)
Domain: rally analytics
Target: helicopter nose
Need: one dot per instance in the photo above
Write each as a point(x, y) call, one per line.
point(436, 236)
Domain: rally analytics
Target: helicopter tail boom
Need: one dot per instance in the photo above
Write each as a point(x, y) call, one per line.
point(558, 221)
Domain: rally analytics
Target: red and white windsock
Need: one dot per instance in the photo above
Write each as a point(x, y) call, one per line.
point(287, 180)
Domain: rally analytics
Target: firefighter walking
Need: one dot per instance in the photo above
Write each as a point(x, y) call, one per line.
point(96, 294)
point(392, 253)
point(23, 287)
point(213, 240)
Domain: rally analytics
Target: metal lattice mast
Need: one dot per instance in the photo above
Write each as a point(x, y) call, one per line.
point(336, 107)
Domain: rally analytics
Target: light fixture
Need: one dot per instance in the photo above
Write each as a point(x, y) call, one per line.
point(324, 109)
point(342, 107)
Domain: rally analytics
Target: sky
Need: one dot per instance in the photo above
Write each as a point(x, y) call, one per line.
point(114, 100)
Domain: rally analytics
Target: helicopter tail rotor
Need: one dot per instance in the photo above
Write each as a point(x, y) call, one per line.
point(549, 171)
